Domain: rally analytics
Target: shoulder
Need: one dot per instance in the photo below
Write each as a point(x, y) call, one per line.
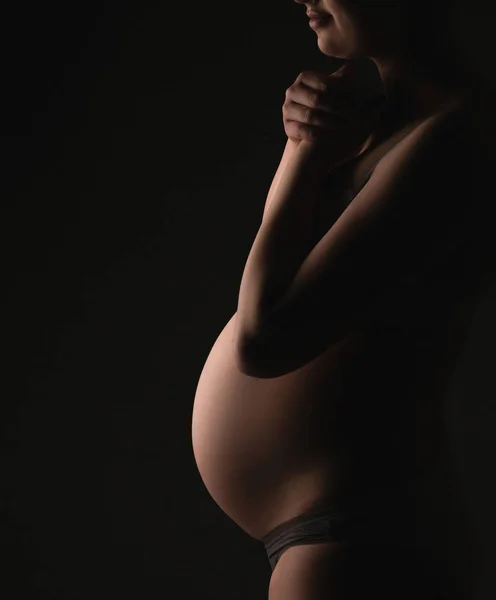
point(435, 185)
point(443, 154)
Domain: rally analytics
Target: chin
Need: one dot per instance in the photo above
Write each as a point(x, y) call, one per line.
point(333, 52)
point(331, 46)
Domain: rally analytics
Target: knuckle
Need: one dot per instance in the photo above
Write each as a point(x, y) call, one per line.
point(287, 108)
point(307, 115)
point(314, 100)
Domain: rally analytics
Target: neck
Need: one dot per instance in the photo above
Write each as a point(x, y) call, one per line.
point(412, 94)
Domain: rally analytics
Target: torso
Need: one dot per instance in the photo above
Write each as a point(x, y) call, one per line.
point(365, 416)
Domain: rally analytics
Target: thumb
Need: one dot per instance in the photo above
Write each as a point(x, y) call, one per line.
point(345, 69)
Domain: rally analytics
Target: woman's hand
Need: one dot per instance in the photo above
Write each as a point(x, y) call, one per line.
point(330, 113)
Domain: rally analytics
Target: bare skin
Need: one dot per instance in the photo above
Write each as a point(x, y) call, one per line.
point(366, 416)
point(275, 441)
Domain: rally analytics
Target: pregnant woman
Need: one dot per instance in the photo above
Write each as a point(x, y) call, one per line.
point(318, 423)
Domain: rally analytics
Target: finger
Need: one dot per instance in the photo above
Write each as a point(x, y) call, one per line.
point(315, 80)
point(301, 131)
point(309, 97)
point(299, 112)
point(327, 86)
point(345, 69)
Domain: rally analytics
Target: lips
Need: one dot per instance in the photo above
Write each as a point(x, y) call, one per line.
point(317, 15)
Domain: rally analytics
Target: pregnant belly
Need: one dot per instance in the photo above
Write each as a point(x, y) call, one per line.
point(259, 444)
point(270, 449)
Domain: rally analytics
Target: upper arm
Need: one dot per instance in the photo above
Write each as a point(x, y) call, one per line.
point(410, 217)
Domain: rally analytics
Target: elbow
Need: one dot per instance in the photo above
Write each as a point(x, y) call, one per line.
point(248, 368)
point(256, 369)
point(287, 350)
point(248, 360)
point(264, 360)
point(252, 359)
point(250, 354)
point(240, 356)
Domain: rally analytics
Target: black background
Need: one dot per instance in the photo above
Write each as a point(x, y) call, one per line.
point(139, 141)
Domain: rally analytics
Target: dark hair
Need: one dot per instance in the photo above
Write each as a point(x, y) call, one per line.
point(430, 38)
point(436, 40)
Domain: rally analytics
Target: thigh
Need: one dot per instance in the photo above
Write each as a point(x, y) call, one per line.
point(336, 571)
point(306, 572)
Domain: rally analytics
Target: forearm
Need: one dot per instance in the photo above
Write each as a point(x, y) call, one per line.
point(284, 238)
point(288, 153)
